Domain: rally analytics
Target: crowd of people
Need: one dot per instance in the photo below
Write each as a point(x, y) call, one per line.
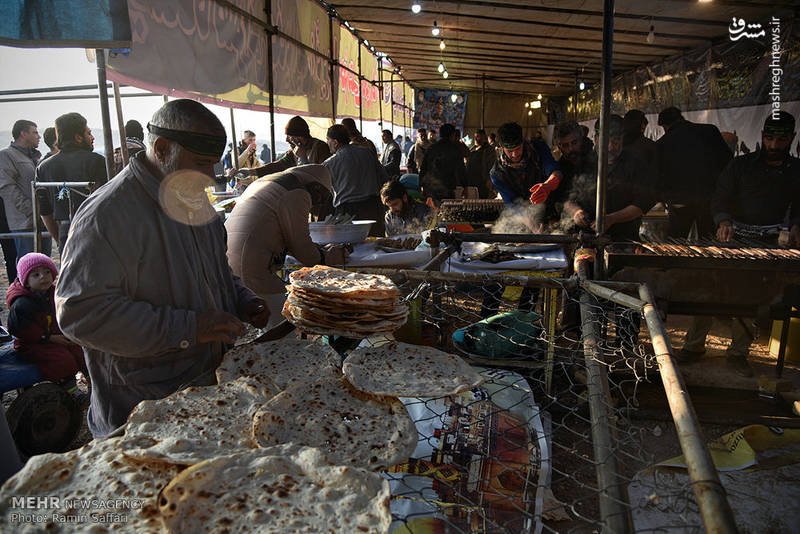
point(153, 301)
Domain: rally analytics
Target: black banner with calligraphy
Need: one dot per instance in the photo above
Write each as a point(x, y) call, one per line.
point(743, 70)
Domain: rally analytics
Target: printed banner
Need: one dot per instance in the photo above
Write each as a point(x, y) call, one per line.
point(196, 49)
point(435, 107)
point(78, 23)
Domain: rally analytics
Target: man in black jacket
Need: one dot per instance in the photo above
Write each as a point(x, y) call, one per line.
point(75, 162)
point(690, 157)
point(756, 193)
point(443, 167)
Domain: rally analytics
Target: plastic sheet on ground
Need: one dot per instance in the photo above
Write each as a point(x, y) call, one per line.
point(759, 467)
point(481, 465)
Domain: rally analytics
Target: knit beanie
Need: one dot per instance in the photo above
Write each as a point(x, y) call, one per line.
point(31, 261)
point(297, 127)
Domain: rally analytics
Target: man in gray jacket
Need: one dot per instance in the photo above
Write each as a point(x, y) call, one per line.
point(145, 285)
point(17, 168)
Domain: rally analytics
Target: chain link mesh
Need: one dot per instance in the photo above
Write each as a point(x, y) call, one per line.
point(516, 454)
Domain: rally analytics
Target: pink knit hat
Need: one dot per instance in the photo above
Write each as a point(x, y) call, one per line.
point(32, 260)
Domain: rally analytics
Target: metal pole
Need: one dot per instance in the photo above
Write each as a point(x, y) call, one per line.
point(618, 297)
point(575, 99)
point(360, 93)
point(708, 490)
point(235, 150)
point(102, 84)
point(391, 104)
point(37, 239)
point(613, 498)
point(602, 142)
point(166, 99)
point(333, 62)
point(270, 80)
point(121, 123)
point(483, 101)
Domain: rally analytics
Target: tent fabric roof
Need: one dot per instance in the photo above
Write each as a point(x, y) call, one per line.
point(524, 46)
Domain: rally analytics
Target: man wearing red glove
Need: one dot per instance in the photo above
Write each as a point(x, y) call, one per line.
point(524, 170)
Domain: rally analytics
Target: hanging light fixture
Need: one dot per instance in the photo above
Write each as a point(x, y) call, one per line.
point(440, 68)
point(445, 75)
point(453, 98)
point(441, 44)
point(530, 112)
point(536, 104)
point(581, 86)
point(651, 37)
point(435, 30)
point(539, 97)
point(527, 105)
point(416, 7)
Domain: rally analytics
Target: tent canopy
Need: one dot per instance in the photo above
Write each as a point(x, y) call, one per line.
point(538, 47)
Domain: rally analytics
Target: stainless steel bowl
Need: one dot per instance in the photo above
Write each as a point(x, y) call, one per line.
point(354, 232)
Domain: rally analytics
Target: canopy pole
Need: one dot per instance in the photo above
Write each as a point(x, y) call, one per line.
point(360, 93)
point(333, 63)
point(121, 123)
point(575, 98)
point(235, 149)
point(483, 101)
point(391, 103)
point(380, 102)
point(602, 141)
point(271, 81)
point(102, 86)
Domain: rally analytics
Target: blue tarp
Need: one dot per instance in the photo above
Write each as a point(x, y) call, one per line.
point(66, 23)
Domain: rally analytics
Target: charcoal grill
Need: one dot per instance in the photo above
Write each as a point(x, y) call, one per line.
point(745, 277)
point(470, 211)
point(742, 253)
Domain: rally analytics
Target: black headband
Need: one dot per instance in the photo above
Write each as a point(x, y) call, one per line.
point(778, 129)
point(197, 143)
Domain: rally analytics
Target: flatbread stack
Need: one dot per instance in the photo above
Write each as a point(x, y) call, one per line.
point(408, 371)
point(96, 472)
point(351, 427)
point(328, 301)
point(283, 363)
point(195, 424)
point(255, 491)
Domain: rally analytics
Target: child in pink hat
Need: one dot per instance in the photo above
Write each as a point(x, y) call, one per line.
point(32, 320)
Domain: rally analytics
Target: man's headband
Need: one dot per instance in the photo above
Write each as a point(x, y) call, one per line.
point(197, 143)
point(778, 129)
point(511, 145)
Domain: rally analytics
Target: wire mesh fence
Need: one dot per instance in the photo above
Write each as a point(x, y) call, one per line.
point(520, 453)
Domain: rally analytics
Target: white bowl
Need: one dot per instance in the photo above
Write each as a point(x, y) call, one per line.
point(354, 232)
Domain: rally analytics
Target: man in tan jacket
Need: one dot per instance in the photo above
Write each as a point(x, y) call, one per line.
point(270, 220)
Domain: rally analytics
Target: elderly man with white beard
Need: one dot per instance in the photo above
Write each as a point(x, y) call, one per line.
point(145, 285)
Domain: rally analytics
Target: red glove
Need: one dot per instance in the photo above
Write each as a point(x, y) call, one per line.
point(539, 192)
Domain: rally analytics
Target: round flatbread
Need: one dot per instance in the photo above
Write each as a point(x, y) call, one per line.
point(124, 491)
point(194, 424)
point(278, 490)
point(408, 371)
point(351, 427)
point(323, 279)
point(283, 362)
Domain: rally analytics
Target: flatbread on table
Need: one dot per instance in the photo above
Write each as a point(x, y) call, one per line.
point(95, 471)
point(195, 423)
point(323, 279)
point(283, 362)
point(277, 490)
point(351, 427)
point(405, 370)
